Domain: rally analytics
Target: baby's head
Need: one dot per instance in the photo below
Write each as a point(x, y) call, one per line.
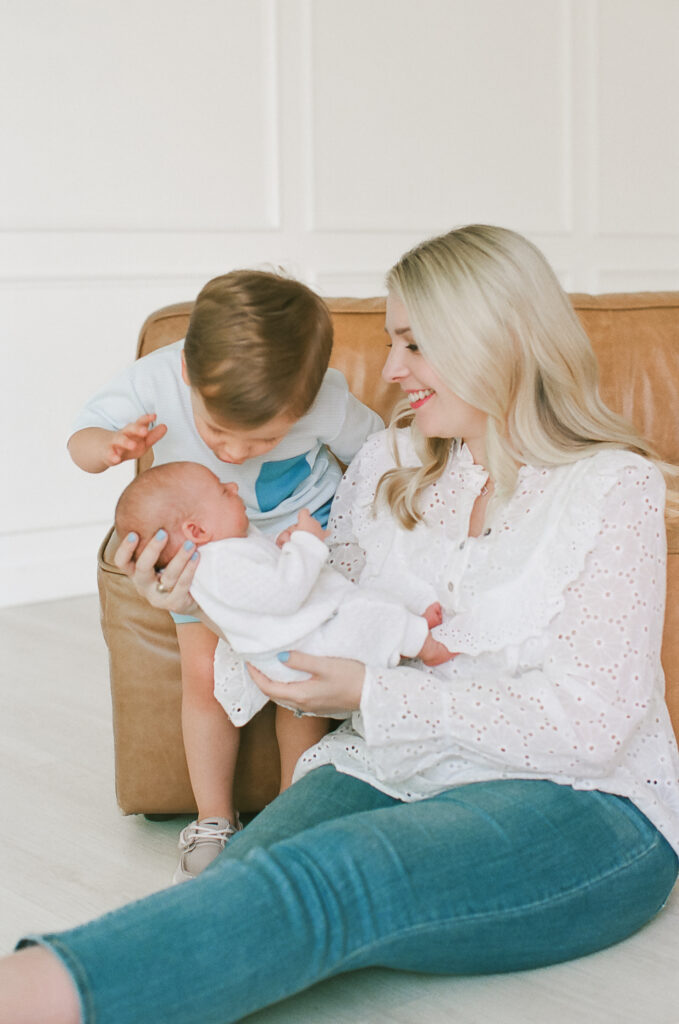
point(187, 500)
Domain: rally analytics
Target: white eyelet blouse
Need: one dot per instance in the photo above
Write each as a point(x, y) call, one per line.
point(556, 612)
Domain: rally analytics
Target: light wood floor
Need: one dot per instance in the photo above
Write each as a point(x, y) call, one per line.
point(67, 854)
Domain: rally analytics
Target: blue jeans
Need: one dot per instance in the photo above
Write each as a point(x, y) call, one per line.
point(335, 876)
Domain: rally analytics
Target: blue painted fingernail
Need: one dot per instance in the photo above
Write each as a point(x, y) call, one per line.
point(132, 538)
point(194, 556)
point(161, 535)
point(283, 656)
point(188, 545)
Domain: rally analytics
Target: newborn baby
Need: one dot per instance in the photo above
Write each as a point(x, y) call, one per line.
point(268, 597)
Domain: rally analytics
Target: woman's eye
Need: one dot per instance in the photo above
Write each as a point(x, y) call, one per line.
point(411, 346)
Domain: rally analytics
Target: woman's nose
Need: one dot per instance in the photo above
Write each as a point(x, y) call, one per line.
point(393, 368)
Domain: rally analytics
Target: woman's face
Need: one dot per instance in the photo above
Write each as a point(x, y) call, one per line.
point(439, 412)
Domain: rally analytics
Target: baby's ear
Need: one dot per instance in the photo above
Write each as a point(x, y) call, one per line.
point(192, 530)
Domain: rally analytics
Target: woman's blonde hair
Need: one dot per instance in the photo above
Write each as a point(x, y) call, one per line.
point(491, 319)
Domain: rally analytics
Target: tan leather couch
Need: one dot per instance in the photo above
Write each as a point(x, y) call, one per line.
point(636, 339)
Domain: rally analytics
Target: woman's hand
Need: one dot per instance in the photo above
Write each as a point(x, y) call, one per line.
point(335, 685)
point(168, 590)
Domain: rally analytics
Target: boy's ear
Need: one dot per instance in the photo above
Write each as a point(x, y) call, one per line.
point(192, 530)
point(185, 376)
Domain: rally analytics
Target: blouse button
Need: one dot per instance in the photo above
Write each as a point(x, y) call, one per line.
point(451, 585)
point(461, 545)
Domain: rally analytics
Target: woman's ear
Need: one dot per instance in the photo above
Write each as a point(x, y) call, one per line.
point(185, 375)
point(192, 530)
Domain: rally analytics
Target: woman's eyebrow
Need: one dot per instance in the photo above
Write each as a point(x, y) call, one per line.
point(400, 330)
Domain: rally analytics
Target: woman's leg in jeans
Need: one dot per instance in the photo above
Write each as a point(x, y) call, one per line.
point(35, 986)
point(487, 877)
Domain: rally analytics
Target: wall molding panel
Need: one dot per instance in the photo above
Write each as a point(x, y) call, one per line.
point(638, 129)
point(428, 153)
point(152, 145)
point(145, 119)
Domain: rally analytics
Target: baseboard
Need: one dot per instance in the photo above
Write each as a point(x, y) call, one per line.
point(45, 565)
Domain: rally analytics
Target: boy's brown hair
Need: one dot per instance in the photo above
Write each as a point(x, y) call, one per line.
point(257, 346)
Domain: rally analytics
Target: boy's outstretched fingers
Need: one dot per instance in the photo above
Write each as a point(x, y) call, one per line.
point(134, 439)
point(155, 434)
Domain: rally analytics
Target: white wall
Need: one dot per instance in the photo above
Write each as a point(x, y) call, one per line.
point(151, 144)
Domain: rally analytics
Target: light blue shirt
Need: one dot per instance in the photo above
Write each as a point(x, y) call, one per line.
point(300, 472)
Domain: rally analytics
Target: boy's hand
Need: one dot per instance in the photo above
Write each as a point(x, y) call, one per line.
point(306, 523)
point(95, 449)
point(134, 440)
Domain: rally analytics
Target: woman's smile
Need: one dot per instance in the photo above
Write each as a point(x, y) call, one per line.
point(418, 398)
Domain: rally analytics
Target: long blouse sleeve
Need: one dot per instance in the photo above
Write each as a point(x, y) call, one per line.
point(565, 703)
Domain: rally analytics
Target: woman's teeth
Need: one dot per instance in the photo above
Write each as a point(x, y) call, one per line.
point(418, 397)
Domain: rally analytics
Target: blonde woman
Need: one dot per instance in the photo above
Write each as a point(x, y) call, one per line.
point(515, 807)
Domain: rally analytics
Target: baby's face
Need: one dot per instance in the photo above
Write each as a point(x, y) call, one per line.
point(222, 511)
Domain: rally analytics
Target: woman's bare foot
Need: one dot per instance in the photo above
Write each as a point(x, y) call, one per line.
point(36, 988)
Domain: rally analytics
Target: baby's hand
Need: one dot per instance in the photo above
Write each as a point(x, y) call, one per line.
point(434, 615)
point(434, 652)
point(306, 523)
point(132, 441)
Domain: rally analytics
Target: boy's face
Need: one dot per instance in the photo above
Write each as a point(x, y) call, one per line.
point(221, 511)
point(235, 444)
